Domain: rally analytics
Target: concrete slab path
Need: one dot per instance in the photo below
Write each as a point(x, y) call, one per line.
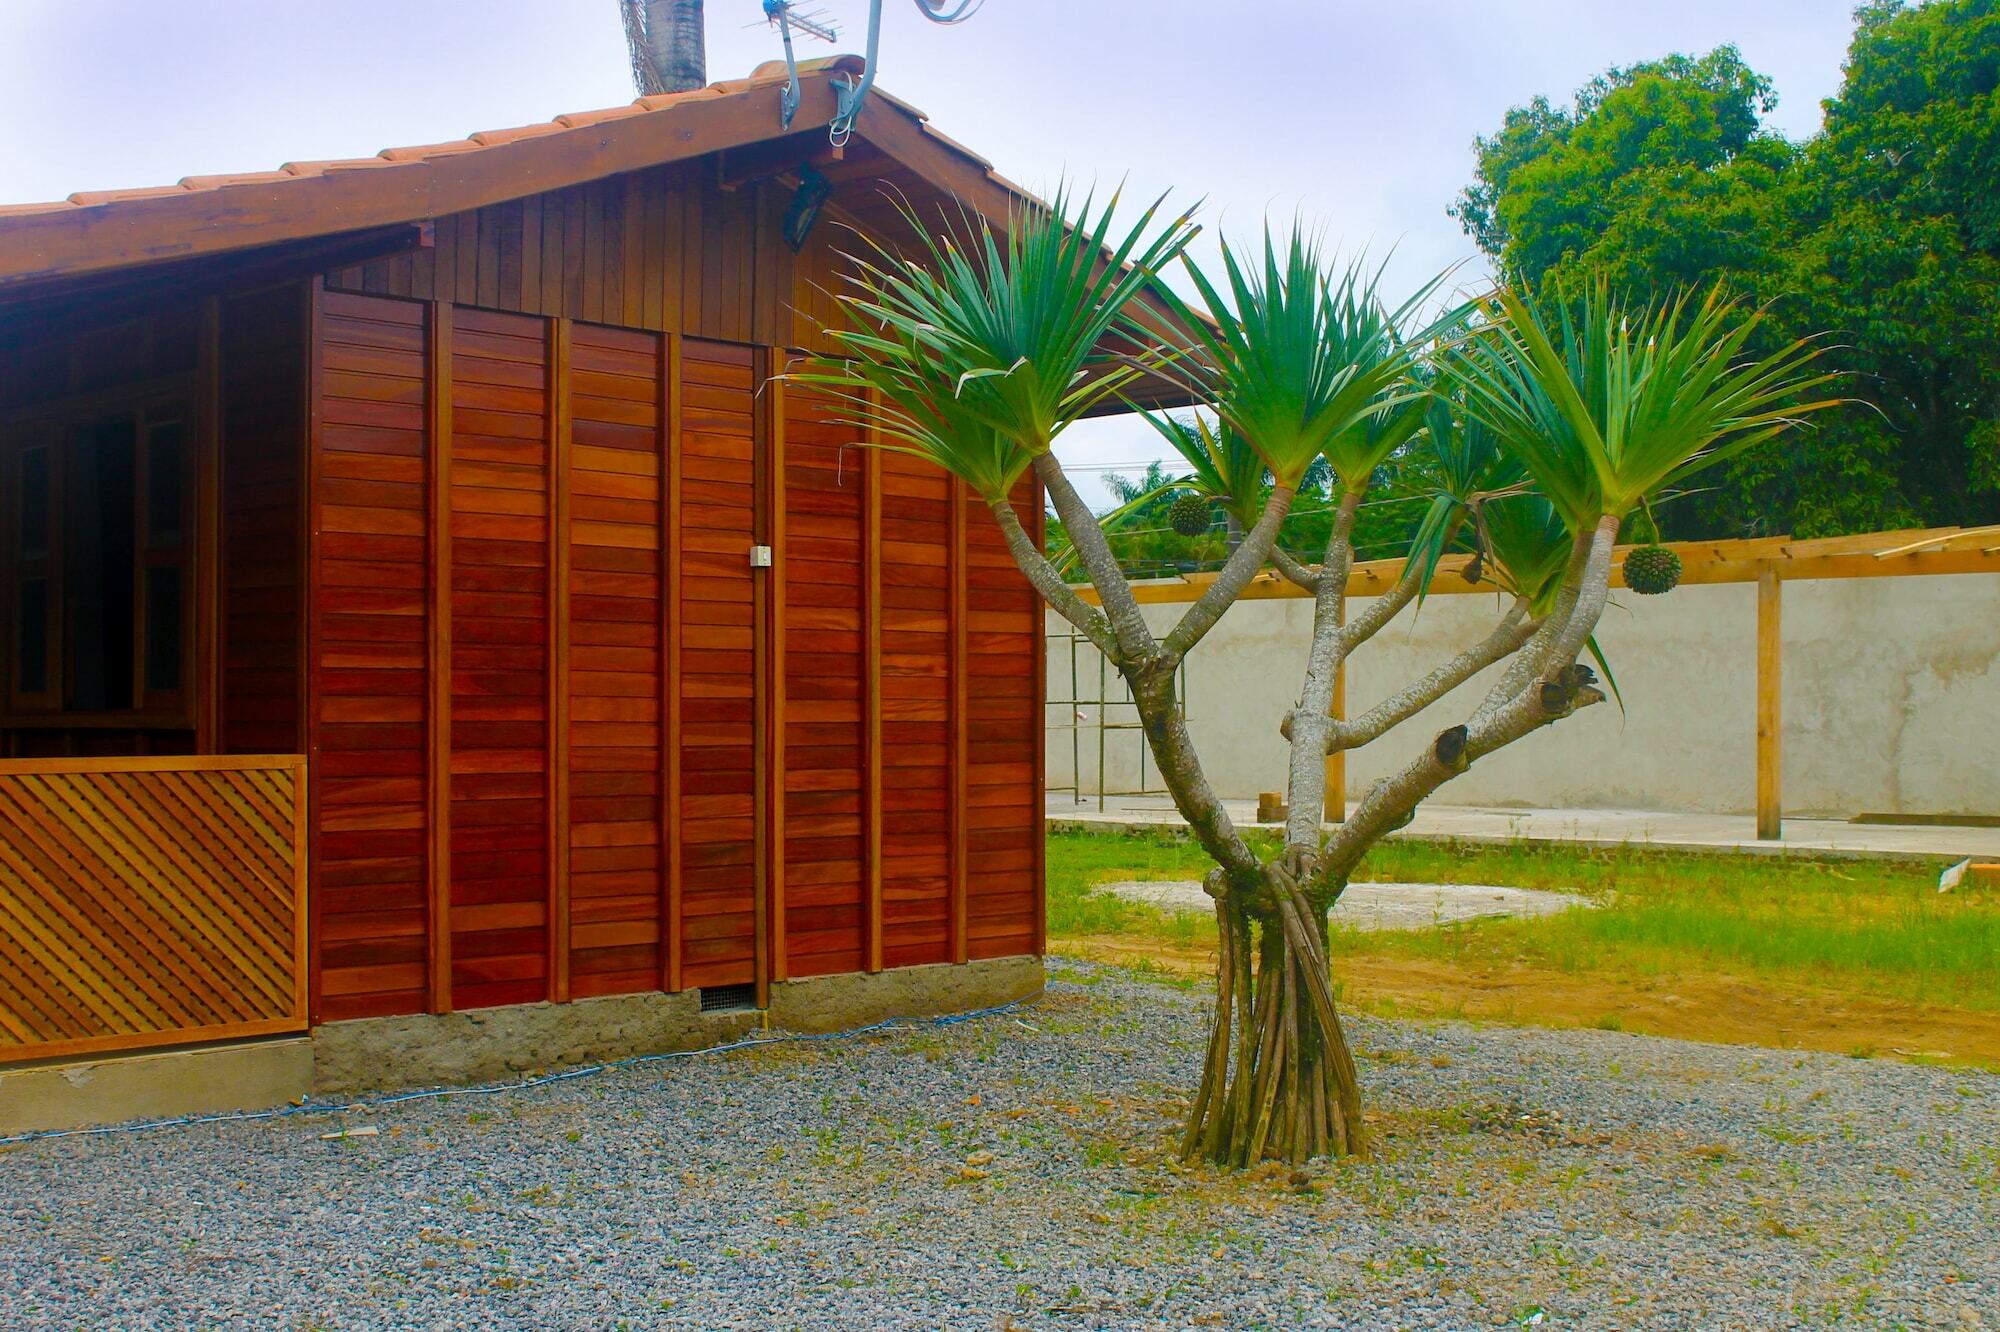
point(1382, 906)
point(1610, 828)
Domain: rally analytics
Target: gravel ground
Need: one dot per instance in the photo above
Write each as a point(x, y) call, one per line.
point(1380, 906)
point(1008, 1172)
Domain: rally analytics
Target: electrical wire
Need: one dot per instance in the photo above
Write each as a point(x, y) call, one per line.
point(311, 1107)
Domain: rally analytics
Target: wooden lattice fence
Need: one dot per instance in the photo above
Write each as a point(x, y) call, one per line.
point(150, 901)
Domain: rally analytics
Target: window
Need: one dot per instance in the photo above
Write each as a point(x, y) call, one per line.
point(98, 563)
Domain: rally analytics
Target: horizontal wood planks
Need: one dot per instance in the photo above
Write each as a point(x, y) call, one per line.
point(916, 635)
point(542, 765)
point(1002, 673)
point(499, 578)
point(825, 673)
point(145, 904)
point(369, 676)
point(718, 658)
point(617, 841)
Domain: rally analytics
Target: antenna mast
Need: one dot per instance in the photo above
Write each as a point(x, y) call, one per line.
point(784, 16)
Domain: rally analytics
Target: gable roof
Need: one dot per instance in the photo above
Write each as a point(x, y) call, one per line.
point(97, 231)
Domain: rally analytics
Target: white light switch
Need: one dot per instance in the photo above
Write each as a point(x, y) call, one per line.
point(760, 557)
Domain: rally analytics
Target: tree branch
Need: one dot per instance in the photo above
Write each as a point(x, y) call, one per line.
point(1173, 749)
point(1507, 637)
point(1528, 664)
point(1312, 719)
point(1244, 564)
point(1114, 594)
point(1059, 595)
point(1294, 569)
point(1594, 590)
point(1390, 802)
point(1150, 672)
point(1391, 603)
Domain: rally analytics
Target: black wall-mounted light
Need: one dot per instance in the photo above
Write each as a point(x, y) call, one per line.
point(803, 211)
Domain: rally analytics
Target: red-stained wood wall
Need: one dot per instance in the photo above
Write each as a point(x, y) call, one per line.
point(566, 740)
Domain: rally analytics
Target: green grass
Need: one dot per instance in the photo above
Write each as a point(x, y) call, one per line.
point(1874, 927)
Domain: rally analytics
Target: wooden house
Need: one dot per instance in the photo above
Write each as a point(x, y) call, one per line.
point(418, 595)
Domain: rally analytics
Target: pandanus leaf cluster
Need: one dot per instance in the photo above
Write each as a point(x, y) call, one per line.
point(980, 347)
point(1302, 360)
point(1610, 402)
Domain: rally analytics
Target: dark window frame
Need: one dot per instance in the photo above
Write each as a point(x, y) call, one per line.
point(156, 413)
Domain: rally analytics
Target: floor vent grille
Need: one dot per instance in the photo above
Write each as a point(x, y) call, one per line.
point(728, 998)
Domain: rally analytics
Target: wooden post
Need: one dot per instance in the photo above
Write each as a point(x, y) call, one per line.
point(959, 663)
point(670, 662)
point(773, 582)
point(1336, 762)
point(1770, 689)
point(765, 746)
point(307, 698)
point(871, 585)
point(438, 713)
point(557, 333)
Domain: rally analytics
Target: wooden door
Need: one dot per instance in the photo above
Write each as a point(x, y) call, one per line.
point(719, 635)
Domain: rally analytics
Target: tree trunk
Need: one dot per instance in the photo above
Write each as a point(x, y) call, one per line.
point(676, 45)
point(1279, 1082)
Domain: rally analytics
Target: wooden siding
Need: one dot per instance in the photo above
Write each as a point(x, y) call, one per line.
point(825, 742)
point(617, 842)
point(658, 250)
point(149, 902)
point(1003, 732)
point(719, 807)
point(917, 580)
point(498, 758)
point(613, 757)
point(368, 672)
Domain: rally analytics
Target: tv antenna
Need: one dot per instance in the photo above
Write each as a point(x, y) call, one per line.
point(785, 16)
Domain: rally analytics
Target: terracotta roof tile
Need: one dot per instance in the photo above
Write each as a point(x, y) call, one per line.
point(578, 119)
point(334, 164)
point(85, 198)
point(499, 136)
point(425, 151)
point(765, 75)
point(239, 178)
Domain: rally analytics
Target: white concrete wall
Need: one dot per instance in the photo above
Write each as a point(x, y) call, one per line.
point(1891, 701)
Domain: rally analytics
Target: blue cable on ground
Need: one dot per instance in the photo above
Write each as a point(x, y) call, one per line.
point(312, 1107)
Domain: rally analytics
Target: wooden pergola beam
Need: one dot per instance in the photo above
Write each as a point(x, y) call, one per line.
point(1768, 562)
point(1869, 555)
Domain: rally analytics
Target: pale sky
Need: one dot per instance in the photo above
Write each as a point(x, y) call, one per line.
point(1358, 117)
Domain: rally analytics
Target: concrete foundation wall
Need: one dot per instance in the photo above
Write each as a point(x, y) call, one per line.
point(489, 1044)
point(478, 1045)
point(1891, 701)
point(253, 1075)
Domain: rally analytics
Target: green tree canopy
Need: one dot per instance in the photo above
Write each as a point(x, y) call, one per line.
point(1884, 228)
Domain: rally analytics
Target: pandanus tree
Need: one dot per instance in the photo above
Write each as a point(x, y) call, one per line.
point(1541, 431)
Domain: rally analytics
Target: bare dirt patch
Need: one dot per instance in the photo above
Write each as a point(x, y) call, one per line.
point(1715, 1007)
